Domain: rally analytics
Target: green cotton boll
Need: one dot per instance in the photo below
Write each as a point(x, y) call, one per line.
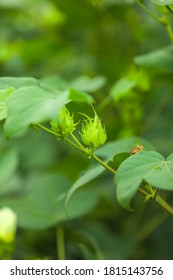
point(93, 132)
point(64, 125)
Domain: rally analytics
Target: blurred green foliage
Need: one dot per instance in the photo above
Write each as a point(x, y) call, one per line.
point(123, 58)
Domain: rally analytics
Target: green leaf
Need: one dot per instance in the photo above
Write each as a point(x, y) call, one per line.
point(162, 58)
point(88, 176)
point(107, 153)
point(163, 2)
point(85, 83)
point(121, 88)
point(30, 105)
point(8, 165)
point(12, 3)
point(4, 96)
point(113, 148)
point(82, 83)
point(148, 166)
point(116, 2)
point(79, 96)
point(18, 82)
point(55, 81)
point(43, 204)
point(33, 104)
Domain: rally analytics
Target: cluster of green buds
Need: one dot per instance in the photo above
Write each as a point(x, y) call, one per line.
point(93, 132)
point(64, 125)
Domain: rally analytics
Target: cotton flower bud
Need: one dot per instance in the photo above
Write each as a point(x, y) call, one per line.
point(64, 125)
point(8, 225)
point(93, 132)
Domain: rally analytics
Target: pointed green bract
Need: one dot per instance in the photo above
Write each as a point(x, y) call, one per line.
point(150, 167)
point(93, 133)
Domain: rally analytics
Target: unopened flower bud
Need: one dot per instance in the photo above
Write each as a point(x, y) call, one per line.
point(64, 125)
point(93, 132)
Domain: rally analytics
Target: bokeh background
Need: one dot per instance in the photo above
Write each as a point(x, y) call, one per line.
point(91, 44)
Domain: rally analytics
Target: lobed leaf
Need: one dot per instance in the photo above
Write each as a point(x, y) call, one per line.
point(147, 166)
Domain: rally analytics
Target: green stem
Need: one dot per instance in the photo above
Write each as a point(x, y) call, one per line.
point(169, 9)
point(158, 200)
point(169, 31)
point(46, 129)
point(149, 12)
point(60, 242)
point(82, 148)
point(159, 20)
point(78, 142)
point(164, 205)
point(106, 166)
point(67, 140)
point(142, 192)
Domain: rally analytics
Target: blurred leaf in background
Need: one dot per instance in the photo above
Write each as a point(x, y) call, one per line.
point(105, 52)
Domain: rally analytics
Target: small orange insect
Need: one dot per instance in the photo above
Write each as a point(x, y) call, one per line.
point(136, 150)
